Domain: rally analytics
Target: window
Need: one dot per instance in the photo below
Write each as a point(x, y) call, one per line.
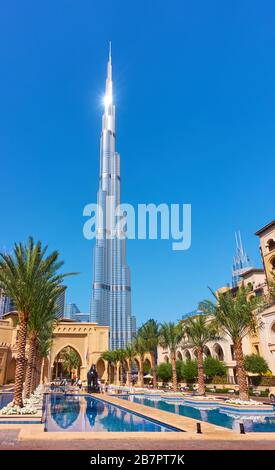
point(270, 244)
point(232, 352)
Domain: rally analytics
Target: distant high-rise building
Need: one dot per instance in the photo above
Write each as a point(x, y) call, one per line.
point(193, 313)
point(111, 298)
point(60, 304)
point(6, 304)
point(134, 325)
point(241, 261)
point(71, 310)
point(82, 317)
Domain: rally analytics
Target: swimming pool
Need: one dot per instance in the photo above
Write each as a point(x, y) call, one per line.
point(209, 414)
point(83, 413)
point(5, 398)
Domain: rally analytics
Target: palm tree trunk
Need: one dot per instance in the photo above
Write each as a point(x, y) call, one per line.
point(121, 374)
point(115, 374)
point(201, 389)
point(174, 371)
point(242, 381)
point(141, 372)
point(154, 372)
point(38, 371)
point(130, 379)
point(30, 366)
point(20, 363)
point(37, 360)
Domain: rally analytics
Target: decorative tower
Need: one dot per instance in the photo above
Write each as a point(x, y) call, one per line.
point(241, 261)
point(111, 298)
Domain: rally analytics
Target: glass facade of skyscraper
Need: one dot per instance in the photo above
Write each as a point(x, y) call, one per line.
point(6, 304)
point(111, 299)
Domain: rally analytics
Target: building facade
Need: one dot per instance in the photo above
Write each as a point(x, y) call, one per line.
point(71, 310)
point(263, 342)
point(111, 297)
point(6, 304)
point(60, 304)
point(88, 340)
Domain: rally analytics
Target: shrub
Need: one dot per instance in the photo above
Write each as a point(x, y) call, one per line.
point(255, 364)
point(214, 367)
point(189, 370)
point(179, 370)
point(164, 371)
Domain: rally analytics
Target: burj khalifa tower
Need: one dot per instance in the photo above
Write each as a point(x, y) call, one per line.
point(111, 297)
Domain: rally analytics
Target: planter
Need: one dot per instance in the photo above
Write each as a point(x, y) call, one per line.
point(247, 407)
point(206, 401)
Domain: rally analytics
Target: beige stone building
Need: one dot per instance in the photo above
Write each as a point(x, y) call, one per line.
point(263, 342)
point(89, 340)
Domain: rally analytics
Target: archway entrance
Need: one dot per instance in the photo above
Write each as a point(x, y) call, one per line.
point(179, 356)
point(11, 371)
point(206, 352)
point(218, 352)
point(100, 367)
point(187, 355)
point(67, 364)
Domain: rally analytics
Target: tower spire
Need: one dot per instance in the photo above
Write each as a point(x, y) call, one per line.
point(111, 299)
point(108, 97)
point(241, 261)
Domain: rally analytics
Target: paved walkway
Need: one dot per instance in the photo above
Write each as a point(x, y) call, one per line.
point(9, 441)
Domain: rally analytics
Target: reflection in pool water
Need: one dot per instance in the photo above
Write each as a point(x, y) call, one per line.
point(64, 412)
point(83, 413)
point(212, 415)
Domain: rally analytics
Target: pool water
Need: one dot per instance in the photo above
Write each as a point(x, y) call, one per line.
point(5, 398)
point(212, 416)
point(83, 413)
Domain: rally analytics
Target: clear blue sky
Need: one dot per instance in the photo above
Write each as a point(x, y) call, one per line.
point(195, 96)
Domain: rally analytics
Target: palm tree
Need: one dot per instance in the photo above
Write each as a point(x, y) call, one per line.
point(236, 317)
point(44, 346)
point(199, 331)
point(140, 349)
point(171, 335)
point(70, 359)
point(111, 358)
point(130, 354)
point(42, 321)
point(23, 277)
point(149, 331)
point(120, 357)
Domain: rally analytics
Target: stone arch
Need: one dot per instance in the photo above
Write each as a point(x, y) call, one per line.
point(11, 371)
point(206, 352)
point(218, 352)
point(187, 355)
point(57, 370)
point(179, 356)
point(147, 364)
point(69, 345)
point(111, 374)
point(136, 361)
point(100, 367)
